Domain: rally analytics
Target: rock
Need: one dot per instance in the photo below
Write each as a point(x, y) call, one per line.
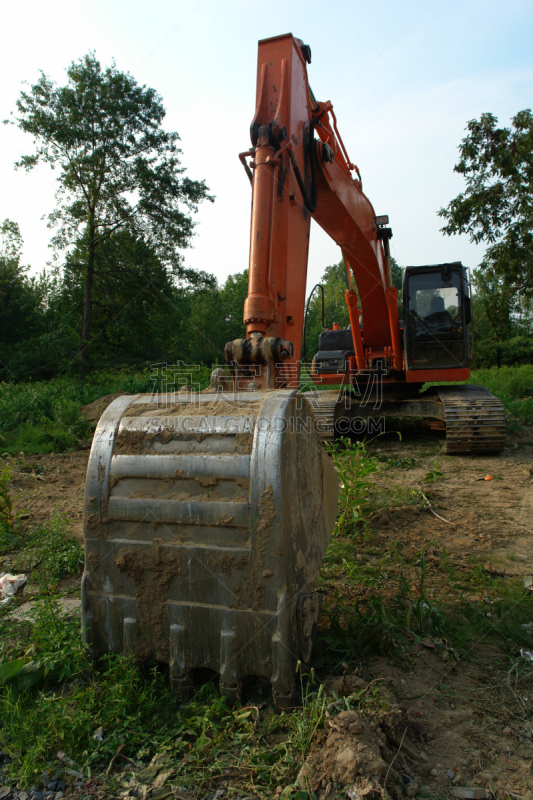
point(56, 786)
point(36, 795)
point(469, 794)
point(6, 793)
point(412, 790)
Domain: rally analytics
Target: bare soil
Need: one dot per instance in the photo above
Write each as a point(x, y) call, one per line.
point(467, 716)
point(47, 484)
point(450, 720)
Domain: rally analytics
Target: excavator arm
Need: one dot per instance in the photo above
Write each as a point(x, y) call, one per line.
point(300, 170)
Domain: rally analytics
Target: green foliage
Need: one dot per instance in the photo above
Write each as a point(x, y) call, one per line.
point(503, 352)
point(514, 387)
point(41, 417)
point(497, 208)
point(51, 548)
point(353, 464)
point(54, 549)
point(433, 474)
point(136, 711)
point(120, 178)
point(44, 417)
point(398, 462)
point(8, 515)
point(20, 296)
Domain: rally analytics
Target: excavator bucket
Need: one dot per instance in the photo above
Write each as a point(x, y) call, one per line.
point(206, 521)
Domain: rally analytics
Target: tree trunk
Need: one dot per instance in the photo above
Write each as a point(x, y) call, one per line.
point(83, 363)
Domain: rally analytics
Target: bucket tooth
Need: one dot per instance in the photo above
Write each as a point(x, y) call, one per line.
point(180, 680)
point(129, 627)
point(284, 652)
point(229, 682)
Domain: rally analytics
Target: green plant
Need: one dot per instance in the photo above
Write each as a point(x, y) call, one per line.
point(434, 473)
point(353, 464)
point(8, 515)
point(55, 550)
point(422, 615)
point(47, 416)
point(9, 538)
point(399, 462)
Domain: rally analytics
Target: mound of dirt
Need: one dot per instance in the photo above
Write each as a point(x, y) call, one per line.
point(93, 411)
point(357, 750)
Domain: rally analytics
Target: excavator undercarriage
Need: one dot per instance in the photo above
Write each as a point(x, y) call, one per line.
point(472, 417)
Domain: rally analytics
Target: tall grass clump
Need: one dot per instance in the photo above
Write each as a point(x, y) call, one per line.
point(46, 416)
point(513, 385)
point(353, 464)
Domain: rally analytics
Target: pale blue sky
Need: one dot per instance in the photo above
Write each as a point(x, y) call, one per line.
point(403, 77)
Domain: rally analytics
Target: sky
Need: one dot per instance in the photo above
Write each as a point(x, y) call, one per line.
point(404, 78)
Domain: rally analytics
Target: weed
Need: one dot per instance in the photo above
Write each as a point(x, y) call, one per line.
point(353, 464)
point(399, 462)
point(8, 515)
point(395, 498)
point(57, 552)
point(434, 473)
point(479, 576)
point(51, 549)
point(45, 417)
point(422, 615)
point(9, 518)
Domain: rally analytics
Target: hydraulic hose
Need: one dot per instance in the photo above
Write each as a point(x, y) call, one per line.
point(309, 202)
point(316, 286)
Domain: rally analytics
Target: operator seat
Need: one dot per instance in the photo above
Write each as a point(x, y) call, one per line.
point(438, 316)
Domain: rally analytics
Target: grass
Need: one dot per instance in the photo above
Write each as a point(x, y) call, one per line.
point(353, 464)
point(381, 598)
point(46, 417)
point(50, 551)
point(137, 713)
point(514, 387)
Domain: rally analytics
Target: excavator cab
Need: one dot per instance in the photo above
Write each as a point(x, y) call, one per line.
point(437, 315)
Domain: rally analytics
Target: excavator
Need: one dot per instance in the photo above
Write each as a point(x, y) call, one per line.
point(207, 514)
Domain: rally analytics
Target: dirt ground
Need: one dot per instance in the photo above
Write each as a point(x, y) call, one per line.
point(459, 721)
point(467, 717)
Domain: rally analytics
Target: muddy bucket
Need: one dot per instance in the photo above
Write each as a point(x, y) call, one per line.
point(206, 521)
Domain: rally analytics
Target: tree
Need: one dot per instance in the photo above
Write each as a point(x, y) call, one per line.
point(119, 169)
point(21, 297)
point(497, 208)
point(10, 270)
